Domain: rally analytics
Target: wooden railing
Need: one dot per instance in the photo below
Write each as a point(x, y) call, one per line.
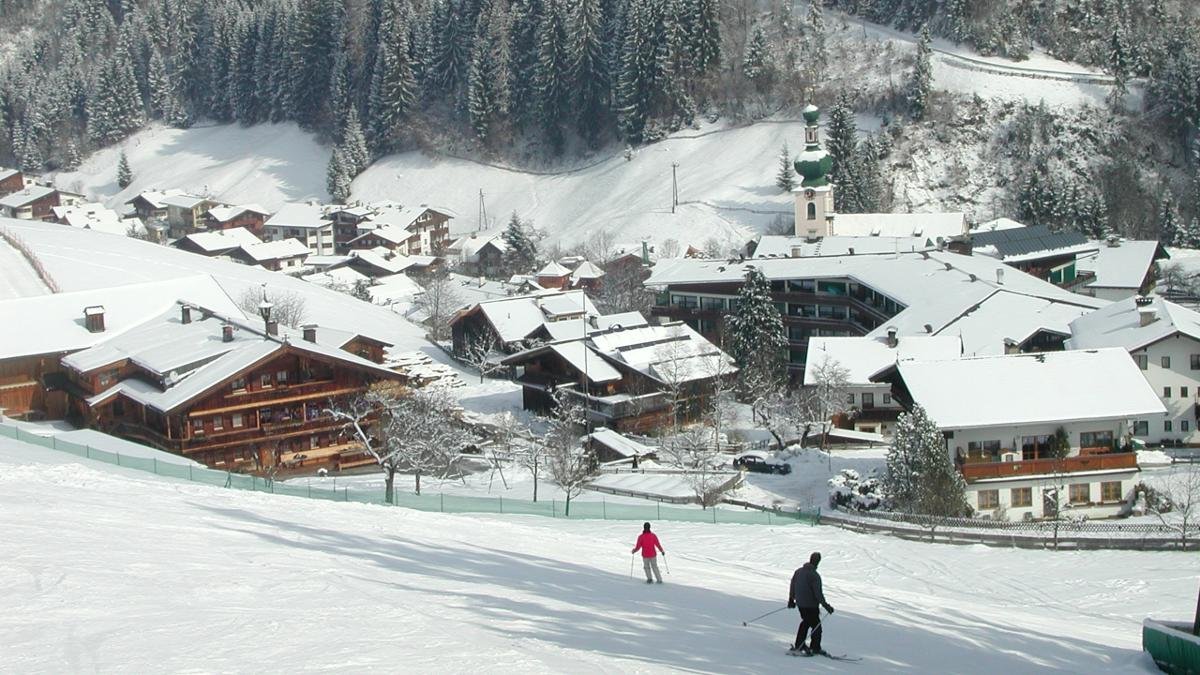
point(1033, 467)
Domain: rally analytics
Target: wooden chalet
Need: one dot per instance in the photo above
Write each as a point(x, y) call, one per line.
point(218, 242)
point(11, 180)
point(513, 321)
point(36, 202)
point(346, 220)
point(628, 379)
point(223, 391)
point(408, 230)
point(248, 216)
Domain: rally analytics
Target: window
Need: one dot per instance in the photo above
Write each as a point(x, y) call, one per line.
point(197, 427)
point(868, 401)
point(684, 301)
point(1166, 392)
point(988, 499)
point(218, 423)
point(1111, 491)
point(1165, 361)
point(1183, 392)
point(108, 377)
point(281, 377)
point(831, 287)
point(1195, 361)
point(1022, 496)
point(983, 451)
point(238, 421)
point(1167, 425)
point(1141, 360)
point(712, 304)
point(707, 327)
point(850, 399)
point(1095, 439)
point(1185, 426)
point(1035, 447)
point(812, 211)
point(832, 312)
point(1081, 493)
point(887, 399)
point(1141, 428)
point(265, 381)
point(239, 384)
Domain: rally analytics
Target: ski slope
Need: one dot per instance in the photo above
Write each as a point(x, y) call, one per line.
point(105, 570)
point(18, 280)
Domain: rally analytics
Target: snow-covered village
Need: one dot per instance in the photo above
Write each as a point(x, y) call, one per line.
point(621, 336)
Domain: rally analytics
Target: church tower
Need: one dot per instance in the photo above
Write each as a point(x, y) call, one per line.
point(814, 197)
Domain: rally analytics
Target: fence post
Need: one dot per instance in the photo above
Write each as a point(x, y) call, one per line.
point(310, 490)
point(118, 459)
point(603, 509)
point(155, 460)
point(442, 502)
point(714, 514)
point(502, 505)
point(189, 472)
point(87, 451)
point(553, 508)
point(659, 507)
point(346, 492)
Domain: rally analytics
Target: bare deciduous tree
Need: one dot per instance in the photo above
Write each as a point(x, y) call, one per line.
point(601, 247)
point(287, 307)
point(481, 353)
point(569, 464)
point(1180, 492)
point(418, 430)
point(826, 396)
point(439, 301)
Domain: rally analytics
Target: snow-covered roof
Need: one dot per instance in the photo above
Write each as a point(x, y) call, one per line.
point(224, 213)
point(54, 323)
point(1021, 389)
point(669, 353)
point(576, 353)
point(776, 246)
point(397, 288)
point(997, 225)
point(223, 240)
point(553, 269)
point(309, 216)
point(928, 225)
point(516, 318)
point(276, 250)
point(1123, 265)
point(389, 265)
point(392, 233)
point(948, 292)
point(468, 247)
point(8, 173)
point(155, 197)
point(1120, 325)
point(863, 357)
point(626, 447)
point(338, 276)
point(183, 201)
point(586, 270)
point(186, 360)
point(30, 194)
point(95, 216)
point(620, 320)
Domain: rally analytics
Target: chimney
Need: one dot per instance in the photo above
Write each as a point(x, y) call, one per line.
point(185, 314)
point(973, 277)
point(851, 250)
point(999, 275)
point(797, 252)
point(273, 328)
point(929, 328)
point(1113, 240)
point(948, 266)
point(93, 318)
point(310, 332)
point(1147, 315)
point(226, 332)
point(892, 340)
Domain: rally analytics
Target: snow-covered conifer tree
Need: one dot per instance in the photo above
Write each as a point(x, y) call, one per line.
point(756, 62)
point(588, 67)
point(354, 143)
point(706, 35)
point(337, 177)
point(755, 337)
point(551, 78)
point(785, 180)
point(841, 143)
point(920, 476)
point(1168, 221)
point(520, 253)
point(922, 79)
point(124, 173)
point(393, 87)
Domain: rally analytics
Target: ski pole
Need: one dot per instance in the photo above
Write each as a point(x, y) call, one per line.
point(667, 564)
point(763, 616)
point(631, 557)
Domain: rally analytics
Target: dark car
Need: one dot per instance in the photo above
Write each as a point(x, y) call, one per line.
point(757, 464)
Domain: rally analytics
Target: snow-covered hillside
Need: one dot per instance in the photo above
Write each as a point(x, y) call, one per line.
point(109, 571)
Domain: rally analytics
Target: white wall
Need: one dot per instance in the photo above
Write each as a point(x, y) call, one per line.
point(1040, 485)
point(1010, 436)
point(1180, 409)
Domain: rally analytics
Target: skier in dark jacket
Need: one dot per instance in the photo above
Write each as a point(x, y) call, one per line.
point(806, 594)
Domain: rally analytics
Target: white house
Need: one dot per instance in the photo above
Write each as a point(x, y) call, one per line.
point(1164, 340)
point(1002, 417)
point(863, 358)
point(1121, 269)
point(306, 222)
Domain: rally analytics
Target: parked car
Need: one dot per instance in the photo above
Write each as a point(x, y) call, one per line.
point(759, 463)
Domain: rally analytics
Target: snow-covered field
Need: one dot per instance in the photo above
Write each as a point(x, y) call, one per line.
point(18, 279)
point(105, 570)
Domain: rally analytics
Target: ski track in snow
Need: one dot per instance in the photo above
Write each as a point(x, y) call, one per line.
point(108, 570)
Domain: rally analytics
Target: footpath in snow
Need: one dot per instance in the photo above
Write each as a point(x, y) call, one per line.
point(107, 571)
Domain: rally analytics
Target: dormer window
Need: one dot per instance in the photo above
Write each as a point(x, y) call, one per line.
point(239, 384)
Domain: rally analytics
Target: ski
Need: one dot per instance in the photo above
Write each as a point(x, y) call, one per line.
point(835, 657)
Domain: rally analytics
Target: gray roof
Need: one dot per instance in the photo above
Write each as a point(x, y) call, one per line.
point(1022, 241)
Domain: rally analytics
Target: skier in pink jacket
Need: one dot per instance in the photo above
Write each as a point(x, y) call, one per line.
point(647, 543)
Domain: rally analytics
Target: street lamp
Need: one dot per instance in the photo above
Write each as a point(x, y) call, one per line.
point(264, 310)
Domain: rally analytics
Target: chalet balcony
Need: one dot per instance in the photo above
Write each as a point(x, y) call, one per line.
point(1036, 467)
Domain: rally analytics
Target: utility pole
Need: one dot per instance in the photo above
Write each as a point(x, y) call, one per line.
point(674, 187)
point(482, 212)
